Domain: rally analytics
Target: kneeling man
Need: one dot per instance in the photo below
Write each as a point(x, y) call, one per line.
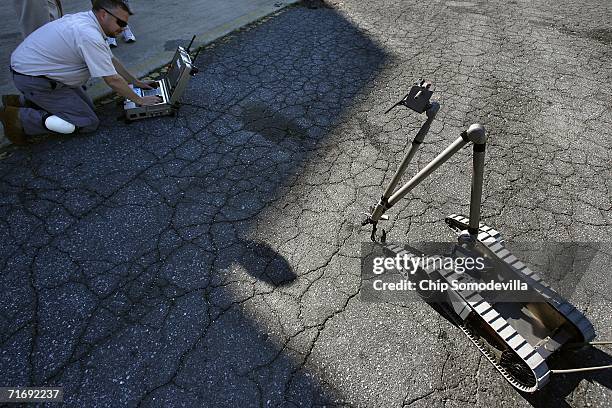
point(53, 63)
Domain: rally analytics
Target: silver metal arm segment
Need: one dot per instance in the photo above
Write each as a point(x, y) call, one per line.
point(475, 134)
point(417, 99)
point(430, 168)
point(416, 143)
point(383, 204)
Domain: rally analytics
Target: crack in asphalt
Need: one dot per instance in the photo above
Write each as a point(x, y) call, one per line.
point(213, 258)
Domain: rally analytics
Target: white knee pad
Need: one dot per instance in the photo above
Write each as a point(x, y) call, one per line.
point(59, 125)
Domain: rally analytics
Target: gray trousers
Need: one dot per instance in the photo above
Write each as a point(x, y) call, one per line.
point(54, 98)
point(33, 14)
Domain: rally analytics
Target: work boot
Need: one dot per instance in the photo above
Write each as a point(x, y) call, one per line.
point(12, 100)
point(12, 125)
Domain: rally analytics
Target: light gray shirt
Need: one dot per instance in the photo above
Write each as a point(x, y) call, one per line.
point(69, 50)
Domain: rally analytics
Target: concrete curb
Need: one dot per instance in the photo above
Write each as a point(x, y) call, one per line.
point(98, 89)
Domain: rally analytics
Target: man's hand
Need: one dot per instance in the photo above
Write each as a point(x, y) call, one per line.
point(149, 100)
point(121, 87)
point(146, 85)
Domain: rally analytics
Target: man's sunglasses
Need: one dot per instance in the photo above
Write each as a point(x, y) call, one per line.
point(120, 22)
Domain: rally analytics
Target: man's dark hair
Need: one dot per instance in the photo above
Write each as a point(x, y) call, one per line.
point(110, 4)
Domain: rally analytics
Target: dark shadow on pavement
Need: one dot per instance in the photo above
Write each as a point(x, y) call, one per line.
point(264, 263)
point(564, 384)
point(135, 267)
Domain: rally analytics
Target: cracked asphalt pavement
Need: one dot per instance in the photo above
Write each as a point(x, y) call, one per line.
point(212, 258)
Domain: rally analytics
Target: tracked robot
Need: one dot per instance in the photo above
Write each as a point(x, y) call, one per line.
point(517, 337)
